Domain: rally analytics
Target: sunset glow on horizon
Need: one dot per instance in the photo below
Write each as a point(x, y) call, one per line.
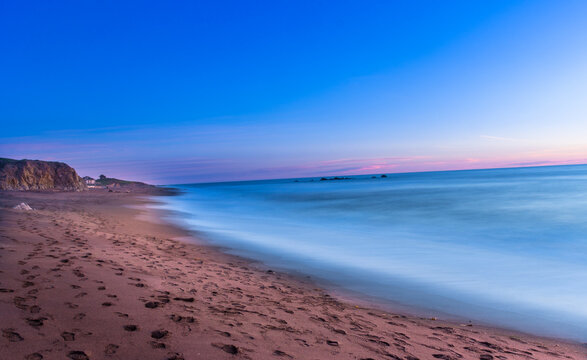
point(181, 93)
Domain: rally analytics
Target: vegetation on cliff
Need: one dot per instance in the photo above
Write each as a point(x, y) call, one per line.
point(106, 181)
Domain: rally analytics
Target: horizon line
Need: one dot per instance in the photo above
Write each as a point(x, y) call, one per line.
point(379, 174)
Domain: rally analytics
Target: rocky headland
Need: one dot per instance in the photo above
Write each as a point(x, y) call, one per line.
point(38, 175)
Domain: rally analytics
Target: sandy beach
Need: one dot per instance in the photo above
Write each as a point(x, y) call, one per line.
point(87, 275)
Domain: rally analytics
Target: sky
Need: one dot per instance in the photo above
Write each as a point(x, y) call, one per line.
point(186, 91)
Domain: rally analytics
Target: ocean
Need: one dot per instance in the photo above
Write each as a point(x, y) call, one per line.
point(503, 247)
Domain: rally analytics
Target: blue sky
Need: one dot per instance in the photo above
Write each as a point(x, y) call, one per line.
point(211, 91)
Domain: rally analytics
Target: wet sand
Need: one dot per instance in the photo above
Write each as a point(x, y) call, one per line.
point(84, 277)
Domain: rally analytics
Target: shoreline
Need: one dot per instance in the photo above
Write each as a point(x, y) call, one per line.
point(339, 292)
point(206, 303)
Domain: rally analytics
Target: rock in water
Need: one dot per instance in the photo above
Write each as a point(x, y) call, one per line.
point(38, 175)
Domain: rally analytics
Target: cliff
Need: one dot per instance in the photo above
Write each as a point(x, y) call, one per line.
point(38, 175)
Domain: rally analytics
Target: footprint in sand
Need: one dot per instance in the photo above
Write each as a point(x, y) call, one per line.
point(78, 355)
point(175, 356)
point(188, 299)
point(71, 305)
point(131, 327)
point(159, 334)
point(36, 323)
point(158, 345)
point(182, 319)
point(231, 349)
point(281, 353)
point(34, 356)
point(11, 335)
point(111, 349)
point(68, 336)
point(79, 273)
point(152, 304)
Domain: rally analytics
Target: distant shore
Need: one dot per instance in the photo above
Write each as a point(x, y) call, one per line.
point(83, 276)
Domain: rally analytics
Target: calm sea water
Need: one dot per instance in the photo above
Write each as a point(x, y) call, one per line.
point(506, 247)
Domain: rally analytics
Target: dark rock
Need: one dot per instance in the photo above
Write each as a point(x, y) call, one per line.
point(335, 178)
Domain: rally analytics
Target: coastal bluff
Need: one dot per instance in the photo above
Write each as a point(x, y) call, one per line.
point(23, 175)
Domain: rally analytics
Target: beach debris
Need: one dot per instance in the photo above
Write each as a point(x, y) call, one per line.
point(23, 206)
